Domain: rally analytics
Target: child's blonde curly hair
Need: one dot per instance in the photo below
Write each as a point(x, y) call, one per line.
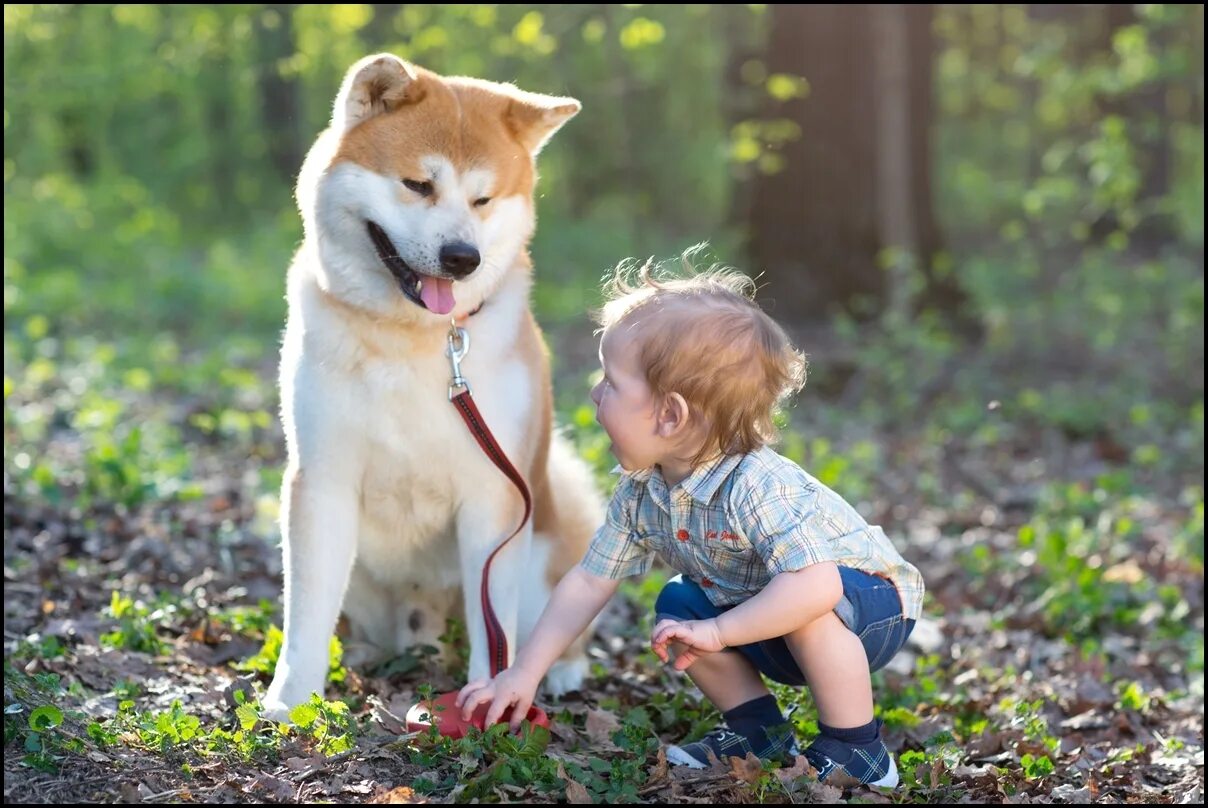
point(702, 336)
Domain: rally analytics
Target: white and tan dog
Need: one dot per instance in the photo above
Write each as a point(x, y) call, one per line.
point(418, 207)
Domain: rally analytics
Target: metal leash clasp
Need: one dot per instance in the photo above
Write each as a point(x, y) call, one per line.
point(456, 350)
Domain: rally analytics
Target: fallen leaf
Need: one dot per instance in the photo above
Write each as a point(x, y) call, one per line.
point(659, 770)
point(280, 790)
point(841, 781)
point(400, 795)
point(748, 769)
point(601, 724)
point(576, 793)
point(821, 792)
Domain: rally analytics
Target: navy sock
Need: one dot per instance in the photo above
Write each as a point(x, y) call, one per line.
point(856, 736)
point(753, 719)
point(858, 752)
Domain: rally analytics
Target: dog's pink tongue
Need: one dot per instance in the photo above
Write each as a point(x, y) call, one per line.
point(437, 294)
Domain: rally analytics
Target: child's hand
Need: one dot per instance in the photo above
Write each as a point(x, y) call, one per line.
point(513, 686)
point(699, 637)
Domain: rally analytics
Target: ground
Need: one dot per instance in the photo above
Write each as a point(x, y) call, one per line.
point(1060, 659)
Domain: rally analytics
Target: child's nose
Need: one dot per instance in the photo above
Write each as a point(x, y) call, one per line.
point(595, 393)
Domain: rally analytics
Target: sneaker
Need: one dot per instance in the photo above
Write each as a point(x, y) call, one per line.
point(724, 743)
point(872, 764)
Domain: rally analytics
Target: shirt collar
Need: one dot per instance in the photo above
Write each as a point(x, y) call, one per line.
point(701, 484)
point(705, 479)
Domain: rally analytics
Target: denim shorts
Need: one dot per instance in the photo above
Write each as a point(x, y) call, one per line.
point(870, 607)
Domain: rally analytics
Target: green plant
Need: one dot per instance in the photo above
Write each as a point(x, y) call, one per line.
point(1036, 767)
point(456, 644)
point(619, 778)
point(138, 625)
point(250, 737)
point(164, 731)
point(256, 619)
point(327, 722)
point(1132, 697)
point(481, 762)
point(682, 716)
point(264, 661)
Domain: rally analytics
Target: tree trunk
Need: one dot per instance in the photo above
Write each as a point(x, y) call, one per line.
point(858, 180)
point(279, 95)
point(813, 224)
point(380, 32)
point(1149, 130)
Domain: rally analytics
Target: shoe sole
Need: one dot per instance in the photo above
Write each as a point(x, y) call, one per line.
point(890, 780)
point(679, 757)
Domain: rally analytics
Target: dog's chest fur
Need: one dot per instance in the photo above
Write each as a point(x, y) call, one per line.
point(417, 460)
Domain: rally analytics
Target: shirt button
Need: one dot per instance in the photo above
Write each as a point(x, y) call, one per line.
point(682, 535)
point(706, 583)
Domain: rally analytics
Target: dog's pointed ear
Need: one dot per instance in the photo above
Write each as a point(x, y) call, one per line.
point(375, 85)
point(534, 117)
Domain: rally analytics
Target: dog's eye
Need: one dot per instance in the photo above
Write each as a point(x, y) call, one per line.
point(422, 188)
point(482, 200)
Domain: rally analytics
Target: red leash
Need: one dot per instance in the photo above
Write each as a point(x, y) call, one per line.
point(443, 710)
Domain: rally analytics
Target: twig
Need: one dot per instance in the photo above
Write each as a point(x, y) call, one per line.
point(327, 764)
point(708, 778)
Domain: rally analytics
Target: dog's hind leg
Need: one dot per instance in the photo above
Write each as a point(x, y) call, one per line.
point(370, 610)
point(319, 534)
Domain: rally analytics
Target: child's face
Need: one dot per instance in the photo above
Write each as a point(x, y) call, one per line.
point(625, 406)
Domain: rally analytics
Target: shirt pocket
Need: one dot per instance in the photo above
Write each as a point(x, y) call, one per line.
point(726, 550)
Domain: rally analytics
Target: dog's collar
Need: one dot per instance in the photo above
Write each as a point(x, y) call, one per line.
point(468, 315)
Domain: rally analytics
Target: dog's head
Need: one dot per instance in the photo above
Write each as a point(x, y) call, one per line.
point(420, 194)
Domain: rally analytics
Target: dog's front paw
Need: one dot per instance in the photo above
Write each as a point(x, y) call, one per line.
point(275, 710)
point(565, 675)
point(281, 698)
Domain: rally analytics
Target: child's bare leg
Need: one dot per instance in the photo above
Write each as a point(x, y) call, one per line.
point(836, 669)
point(727, 678)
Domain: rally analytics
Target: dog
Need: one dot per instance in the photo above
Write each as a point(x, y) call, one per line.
point(417, 205)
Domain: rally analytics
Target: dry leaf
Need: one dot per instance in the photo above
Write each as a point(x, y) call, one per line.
point(278, 789)
point(398, 796)
point(601, 724)
point(659, 770)
point(841, 781)
point(822, 792)
point(800, 768)
point(748, 769)
point(937, 771)
point(576, 793)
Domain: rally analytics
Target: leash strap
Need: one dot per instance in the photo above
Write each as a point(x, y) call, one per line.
point(459, 346)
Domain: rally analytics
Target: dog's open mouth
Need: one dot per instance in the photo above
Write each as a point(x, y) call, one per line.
point(432, 293)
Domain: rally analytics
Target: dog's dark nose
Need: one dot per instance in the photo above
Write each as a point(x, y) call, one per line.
point(459, 259)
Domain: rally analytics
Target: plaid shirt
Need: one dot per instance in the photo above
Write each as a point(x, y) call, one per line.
point(735, 522)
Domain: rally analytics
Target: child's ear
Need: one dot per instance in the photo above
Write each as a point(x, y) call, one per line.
point(673, 415)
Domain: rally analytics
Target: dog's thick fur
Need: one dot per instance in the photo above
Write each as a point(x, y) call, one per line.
point(389, 507)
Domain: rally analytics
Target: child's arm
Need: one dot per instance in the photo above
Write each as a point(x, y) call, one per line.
point(577, 599)
point(788, 602)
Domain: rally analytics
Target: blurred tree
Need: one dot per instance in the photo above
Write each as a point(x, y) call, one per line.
point(279, 107)
point(1144, 107)
point(850, 197)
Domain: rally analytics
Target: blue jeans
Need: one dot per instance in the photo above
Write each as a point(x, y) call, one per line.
point(870, 607)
